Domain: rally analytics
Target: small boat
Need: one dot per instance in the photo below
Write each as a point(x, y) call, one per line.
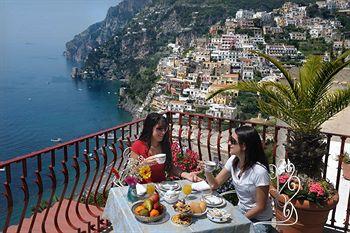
point(2, 169)
point(110, 136)
point(56, 140)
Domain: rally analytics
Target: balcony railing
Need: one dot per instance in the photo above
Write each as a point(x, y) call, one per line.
point(72, 179)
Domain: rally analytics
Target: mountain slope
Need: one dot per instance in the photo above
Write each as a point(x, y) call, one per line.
point(134, 50)
point(99, 33)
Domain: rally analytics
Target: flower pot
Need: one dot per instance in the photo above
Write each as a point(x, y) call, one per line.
point(346, 170)
point(311, 218)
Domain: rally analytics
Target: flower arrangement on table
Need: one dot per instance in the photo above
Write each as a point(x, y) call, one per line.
point(187, 161)
point(134, 172)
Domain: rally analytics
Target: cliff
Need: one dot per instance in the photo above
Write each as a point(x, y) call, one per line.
point(137, 44)
point(99, 33)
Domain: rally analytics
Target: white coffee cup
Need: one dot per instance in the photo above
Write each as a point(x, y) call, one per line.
point(209, 166)
point(160, 158)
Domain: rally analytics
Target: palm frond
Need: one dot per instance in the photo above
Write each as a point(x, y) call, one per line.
point(331, 104)
point(283, 89)
point(342, 56)
point(282, 69)
point(324, 79)
point(230, 87)
point(308, 73)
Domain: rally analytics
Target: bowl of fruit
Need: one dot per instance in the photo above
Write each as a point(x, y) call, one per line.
point(149, 210)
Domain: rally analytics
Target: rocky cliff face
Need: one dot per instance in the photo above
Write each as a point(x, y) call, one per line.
point(99, 33)
point(130, 46)
point(144, 39)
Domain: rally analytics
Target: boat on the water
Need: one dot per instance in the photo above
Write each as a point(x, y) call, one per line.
point(110, 136)
point(56, 140)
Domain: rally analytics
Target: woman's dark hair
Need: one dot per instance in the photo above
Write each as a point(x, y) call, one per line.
point(254, 151)
point(152, 120)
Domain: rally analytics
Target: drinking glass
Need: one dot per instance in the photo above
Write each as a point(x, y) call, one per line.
point(186, 189)
point(150, 189)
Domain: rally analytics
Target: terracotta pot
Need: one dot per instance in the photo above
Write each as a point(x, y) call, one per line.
point(346, 170)
point(311, 218)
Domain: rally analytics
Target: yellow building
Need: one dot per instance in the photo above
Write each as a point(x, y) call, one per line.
point(223, 98)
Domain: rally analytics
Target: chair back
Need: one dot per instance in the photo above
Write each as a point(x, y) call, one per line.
point(283, 175)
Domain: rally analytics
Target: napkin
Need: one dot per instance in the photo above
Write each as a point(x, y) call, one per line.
point(140, 189)
point(200, 186)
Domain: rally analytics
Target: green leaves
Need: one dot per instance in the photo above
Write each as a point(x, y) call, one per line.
point(306, 102)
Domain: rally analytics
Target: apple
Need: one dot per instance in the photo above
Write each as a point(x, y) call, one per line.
point(154, 197)
point(156, 206)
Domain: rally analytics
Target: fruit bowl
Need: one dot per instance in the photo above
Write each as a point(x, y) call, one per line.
point(147, 219)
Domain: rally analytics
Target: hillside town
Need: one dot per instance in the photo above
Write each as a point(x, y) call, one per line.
point(224, 57)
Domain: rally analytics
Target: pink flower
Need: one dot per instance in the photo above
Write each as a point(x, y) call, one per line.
point(131, 181)
point(317, 188)
point(283, 178)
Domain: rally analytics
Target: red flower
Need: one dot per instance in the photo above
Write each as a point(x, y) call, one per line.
point(317, 188)
point(188, 161)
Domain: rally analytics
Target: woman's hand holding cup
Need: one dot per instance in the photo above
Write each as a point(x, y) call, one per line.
point(151, 160)
point(209, 166)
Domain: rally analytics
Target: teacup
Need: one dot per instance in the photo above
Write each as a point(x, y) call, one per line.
point(160, 158)
point(209, 166)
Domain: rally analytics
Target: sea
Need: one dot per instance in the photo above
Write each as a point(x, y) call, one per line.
point(39, 101)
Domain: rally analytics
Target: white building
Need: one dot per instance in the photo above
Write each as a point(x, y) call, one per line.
point(180, 106)
point(315, 32)
point(281, 50)
point(219, 110)
point(297, 36)
point(244, 14)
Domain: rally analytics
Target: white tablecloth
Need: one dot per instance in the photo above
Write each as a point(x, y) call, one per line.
point(118, 211)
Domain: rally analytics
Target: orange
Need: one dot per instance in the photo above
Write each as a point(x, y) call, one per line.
point(154, 213)
point(139, 208)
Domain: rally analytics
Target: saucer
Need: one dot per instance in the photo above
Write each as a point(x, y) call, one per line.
point(168, 185)
point(213, 201)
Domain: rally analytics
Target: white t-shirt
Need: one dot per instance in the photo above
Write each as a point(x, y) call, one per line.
point(245, 187)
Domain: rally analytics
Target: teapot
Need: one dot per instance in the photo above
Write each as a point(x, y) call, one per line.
point(171, 196)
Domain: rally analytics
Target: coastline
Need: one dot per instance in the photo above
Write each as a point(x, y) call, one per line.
point(129, 106)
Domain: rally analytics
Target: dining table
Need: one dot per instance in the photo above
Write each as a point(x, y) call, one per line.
point(118, 211)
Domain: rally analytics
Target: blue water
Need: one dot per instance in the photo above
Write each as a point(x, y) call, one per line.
point(38, 99)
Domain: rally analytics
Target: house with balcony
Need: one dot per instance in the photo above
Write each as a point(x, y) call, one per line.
point(279, 50)
point(297, 36)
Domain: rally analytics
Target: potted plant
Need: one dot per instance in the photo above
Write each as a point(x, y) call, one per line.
point(304, 103)
point(346, 166)
point(187, 160)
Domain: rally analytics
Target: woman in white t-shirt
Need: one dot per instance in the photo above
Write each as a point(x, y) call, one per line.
point(249, 170)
